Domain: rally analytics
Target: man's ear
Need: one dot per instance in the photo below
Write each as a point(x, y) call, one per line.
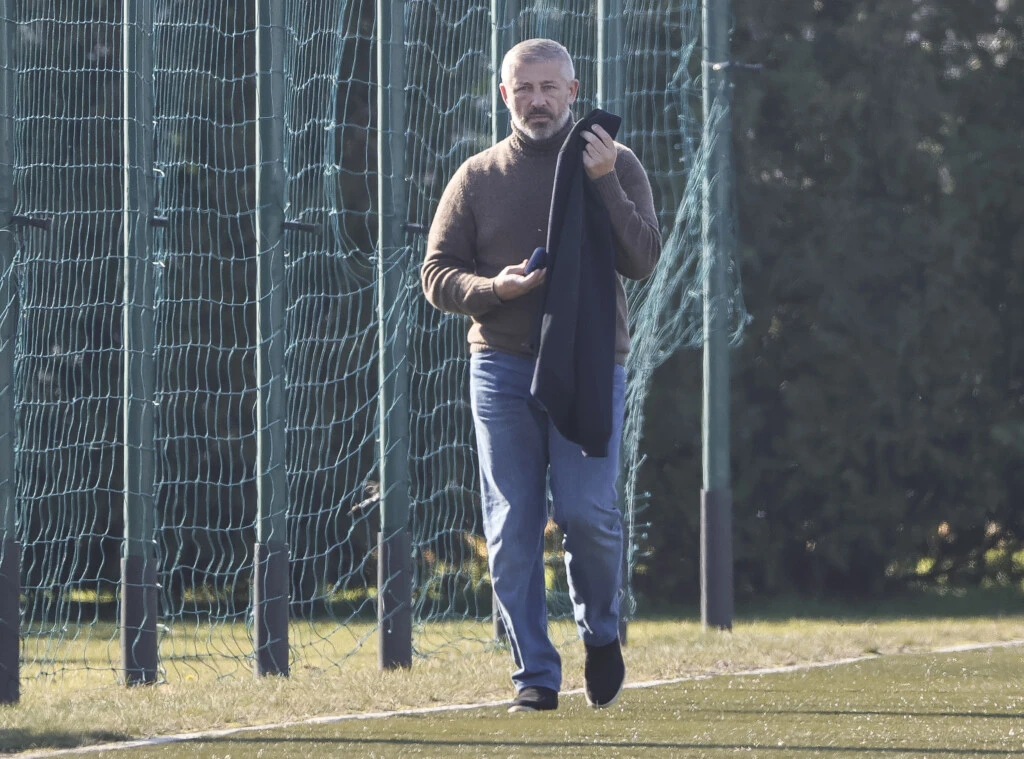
point(574, 87)
point(503, 91)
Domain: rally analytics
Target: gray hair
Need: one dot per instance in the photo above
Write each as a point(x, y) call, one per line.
point(536, 51)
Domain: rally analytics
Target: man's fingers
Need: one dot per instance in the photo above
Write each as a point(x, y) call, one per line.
point(602, 134)
point(599, 154)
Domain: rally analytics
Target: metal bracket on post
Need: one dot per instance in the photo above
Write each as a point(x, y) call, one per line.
point(27, 221)
point(300, 226)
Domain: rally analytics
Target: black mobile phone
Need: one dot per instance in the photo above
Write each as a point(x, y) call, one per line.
point(538, 260)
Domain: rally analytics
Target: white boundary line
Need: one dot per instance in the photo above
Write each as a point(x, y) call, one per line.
point(209, 734)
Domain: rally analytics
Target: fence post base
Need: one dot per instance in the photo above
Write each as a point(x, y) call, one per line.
point(139, 654)
point(394, 599)
point(716, 583)
point(270, 608)
point(10, 621)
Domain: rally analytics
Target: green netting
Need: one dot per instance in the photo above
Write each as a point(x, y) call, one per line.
point(449, 85)
point(332, 327)
point(69, 387)
point(67, 164)
point(204, 84)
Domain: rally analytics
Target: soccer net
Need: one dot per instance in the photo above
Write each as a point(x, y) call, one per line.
point(69, 389)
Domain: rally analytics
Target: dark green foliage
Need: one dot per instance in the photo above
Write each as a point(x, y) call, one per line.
point(878, 398)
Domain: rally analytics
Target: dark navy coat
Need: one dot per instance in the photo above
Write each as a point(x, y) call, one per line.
point(575, 335)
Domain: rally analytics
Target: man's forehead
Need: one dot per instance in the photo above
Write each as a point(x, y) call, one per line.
point(538, 72)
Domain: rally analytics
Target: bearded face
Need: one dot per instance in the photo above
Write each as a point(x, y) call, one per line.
point(539, 95)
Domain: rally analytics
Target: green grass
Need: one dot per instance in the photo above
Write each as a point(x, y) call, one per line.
point(88, 707)
point(953, 705)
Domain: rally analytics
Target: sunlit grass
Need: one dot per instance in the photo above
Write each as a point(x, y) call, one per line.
point(963, 704)
point(207, 680)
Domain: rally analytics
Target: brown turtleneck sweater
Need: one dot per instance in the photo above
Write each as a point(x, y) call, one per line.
point(494, 212)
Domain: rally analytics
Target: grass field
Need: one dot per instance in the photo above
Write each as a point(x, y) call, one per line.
point(913, 704)
point(965, 704)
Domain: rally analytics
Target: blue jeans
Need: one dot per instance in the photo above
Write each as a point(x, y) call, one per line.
point(519, 449)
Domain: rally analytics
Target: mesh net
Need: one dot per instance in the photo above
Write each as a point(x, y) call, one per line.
point(204, 112)
point(330, 151)
point(67, 160)
point(69, 390)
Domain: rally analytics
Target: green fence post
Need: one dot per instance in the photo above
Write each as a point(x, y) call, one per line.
point(716, 569)
point(611, 67)
point(504, 34)
point(270, 586)
point(610, 78)
point(10, 550)
point(394, 557)
point(138, 565)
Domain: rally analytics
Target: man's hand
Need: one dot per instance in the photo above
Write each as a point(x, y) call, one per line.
point(512, 283)
point(599, 154)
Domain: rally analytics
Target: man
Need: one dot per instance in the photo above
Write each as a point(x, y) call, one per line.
point(492, 214)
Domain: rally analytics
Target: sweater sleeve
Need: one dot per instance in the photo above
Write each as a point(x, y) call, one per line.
point(448, 273)
point(626, 193)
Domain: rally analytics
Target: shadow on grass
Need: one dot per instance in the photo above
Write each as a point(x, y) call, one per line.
point(585, 746)
point(903, 715)
point(14, 740)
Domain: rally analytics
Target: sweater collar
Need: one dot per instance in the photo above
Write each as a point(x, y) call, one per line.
point(550, 146)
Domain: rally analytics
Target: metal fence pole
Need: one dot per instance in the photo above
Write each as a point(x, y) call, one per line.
point(394, 575)
point(10, 550)
point(504, 34)
point(138, 564)
point(270, 587)
point(610, 79)
point(610, 55)
point(716, 496)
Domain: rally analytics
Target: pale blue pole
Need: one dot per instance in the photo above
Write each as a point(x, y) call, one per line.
point(716, 567)
point(270, 591)
point(10, 549)
point(138, 564)
point(394, 569)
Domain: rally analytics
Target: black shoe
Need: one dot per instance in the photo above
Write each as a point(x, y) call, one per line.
point(534, 698)
point(605, 673)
